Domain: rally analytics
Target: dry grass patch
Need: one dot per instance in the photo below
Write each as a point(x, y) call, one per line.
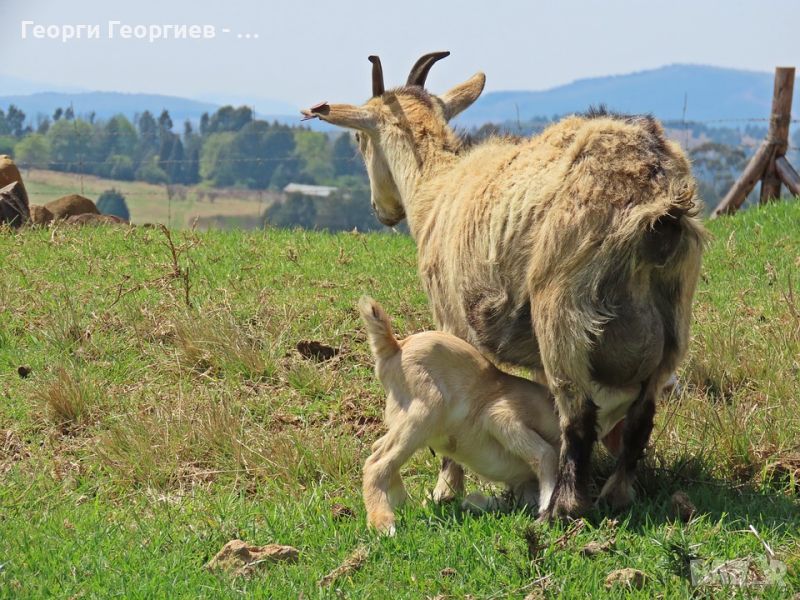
point(70, 401)
point(214, 345)
point(220, 441)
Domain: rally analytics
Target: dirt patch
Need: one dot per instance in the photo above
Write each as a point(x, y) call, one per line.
point(629, 578)
point(352, 563)
point(239, 558)
point(317, 351)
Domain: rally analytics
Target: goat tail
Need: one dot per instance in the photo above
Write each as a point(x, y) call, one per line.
point(379, 330)
point(664, 229)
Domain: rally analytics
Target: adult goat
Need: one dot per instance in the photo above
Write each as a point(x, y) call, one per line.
point(574, 253)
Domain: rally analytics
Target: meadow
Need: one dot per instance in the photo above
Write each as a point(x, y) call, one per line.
point(154, 405)
point(191, 206)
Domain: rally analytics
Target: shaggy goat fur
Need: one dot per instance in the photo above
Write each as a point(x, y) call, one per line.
point(574, 253)
point(443, 394)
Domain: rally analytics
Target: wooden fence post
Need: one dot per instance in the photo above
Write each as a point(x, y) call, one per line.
point(768, 163)
point(778, 131)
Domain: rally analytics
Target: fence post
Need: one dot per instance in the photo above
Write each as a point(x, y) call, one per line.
point(768, 163)
point(778, 131)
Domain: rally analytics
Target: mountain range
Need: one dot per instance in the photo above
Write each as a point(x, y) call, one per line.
point(674, 92)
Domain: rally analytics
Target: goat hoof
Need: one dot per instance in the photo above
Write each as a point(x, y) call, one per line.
point(618, 494)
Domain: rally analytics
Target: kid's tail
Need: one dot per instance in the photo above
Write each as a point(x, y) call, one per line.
point(379, 330)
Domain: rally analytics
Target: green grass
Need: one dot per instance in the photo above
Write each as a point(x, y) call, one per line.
point(150, 432)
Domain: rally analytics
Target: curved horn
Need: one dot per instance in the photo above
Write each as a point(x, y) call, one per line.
point(419, 72)
point(377, 76)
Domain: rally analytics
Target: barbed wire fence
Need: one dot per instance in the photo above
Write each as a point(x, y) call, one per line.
point(82, 168)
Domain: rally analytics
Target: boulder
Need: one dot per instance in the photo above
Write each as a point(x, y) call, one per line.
point(9, 173)
point(13, 210)
point(40, 215)
point(69, 206)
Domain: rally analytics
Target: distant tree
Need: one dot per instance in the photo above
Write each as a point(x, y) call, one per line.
point(228, 118)
point(116, 137)
point(42, 125)
point(257, 150)
point(59, 112)
point(70, 144)
point(204, 120)
point(314, 152)
point(175, 164)
point(192, 168)
point(7, 144)
point(295, 211)
point(69, 114)
point(15, 121)
point(347, 209)
point(716, 166)
point(150, 172)
point(214, 163)
point(346, 159)
point(120, 166)
point(164, 121)
point(148, 134)
point(32, 151)
point(112, 202)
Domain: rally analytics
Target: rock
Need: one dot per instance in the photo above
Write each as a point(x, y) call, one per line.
point(9, 174)
point(240, 558)
point(68, 206)
point(681, 506)
point(40, 215)
point(92, 219)
point(630, 578)
point(13, 210)
point(595, 548)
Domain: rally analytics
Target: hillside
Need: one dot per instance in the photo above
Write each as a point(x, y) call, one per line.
point(710, 93)
point(165, 410)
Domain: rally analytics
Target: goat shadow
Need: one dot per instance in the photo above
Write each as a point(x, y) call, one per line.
point(711, 496)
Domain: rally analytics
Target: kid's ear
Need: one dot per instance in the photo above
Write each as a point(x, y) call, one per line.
point(463, 95)
point(343, 115)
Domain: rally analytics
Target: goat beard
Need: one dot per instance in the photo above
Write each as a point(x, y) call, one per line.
point(613, 439)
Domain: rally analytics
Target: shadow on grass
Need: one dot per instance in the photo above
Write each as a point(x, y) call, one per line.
point(711, 496)
point(768, 506)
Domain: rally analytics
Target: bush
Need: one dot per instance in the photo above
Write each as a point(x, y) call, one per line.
point(112, 202)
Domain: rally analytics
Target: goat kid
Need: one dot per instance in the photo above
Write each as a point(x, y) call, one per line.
point(443, 394)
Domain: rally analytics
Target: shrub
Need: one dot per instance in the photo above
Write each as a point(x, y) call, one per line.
point(112, 202)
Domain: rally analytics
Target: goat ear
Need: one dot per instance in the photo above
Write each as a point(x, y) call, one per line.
point(463, 95)
point(343, 115)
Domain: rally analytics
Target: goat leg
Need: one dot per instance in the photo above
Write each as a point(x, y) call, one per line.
point(570, 497)
point(618, 490)
point(450, 483)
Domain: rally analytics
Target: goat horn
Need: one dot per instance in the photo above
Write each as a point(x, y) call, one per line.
point(377, 76)
point(419, 72)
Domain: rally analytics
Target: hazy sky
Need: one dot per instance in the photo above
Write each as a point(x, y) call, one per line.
point(309, 50)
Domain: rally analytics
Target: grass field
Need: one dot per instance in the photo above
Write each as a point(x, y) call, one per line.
point(150, 203)
point(150, 432)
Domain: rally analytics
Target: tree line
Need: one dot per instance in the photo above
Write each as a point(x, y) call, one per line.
point(229, 147)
